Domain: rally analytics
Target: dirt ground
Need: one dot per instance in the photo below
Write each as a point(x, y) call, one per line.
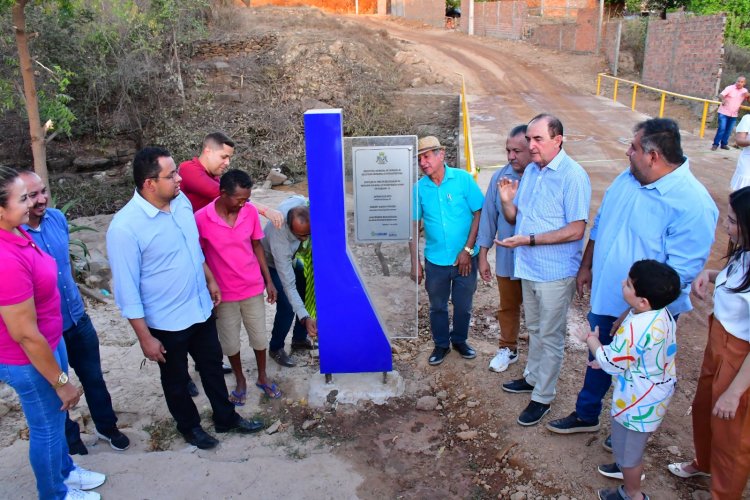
point(469, 446)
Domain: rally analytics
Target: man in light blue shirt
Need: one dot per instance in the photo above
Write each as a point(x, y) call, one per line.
point(550, 208)
point(448, 202)
point(492, 225)
point(658, 210)
point(164, 288)
point(49, 229)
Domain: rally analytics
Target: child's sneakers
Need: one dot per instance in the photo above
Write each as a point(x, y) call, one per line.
point(613, 471)
point(617, 494)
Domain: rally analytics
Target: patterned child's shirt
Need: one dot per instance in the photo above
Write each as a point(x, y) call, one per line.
point(641, 360)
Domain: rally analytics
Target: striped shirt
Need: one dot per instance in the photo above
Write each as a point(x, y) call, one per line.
point(549, 199)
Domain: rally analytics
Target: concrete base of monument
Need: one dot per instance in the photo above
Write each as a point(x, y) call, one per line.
point(351, 388)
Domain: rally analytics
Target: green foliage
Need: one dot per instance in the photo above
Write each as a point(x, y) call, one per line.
point(79, 251)
point(738, 17)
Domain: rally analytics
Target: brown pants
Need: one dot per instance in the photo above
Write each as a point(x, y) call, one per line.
point(722, 447)
point(509, 312)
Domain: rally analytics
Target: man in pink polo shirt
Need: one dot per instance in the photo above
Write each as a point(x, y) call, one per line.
point(732, 98)
point(230, 234)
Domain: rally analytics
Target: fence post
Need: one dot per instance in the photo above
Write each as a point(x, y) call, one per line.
point(617, 48)
point(661, 106)
point(703, 119)
point(598, 83)
point(635, 92)
point(614, 94)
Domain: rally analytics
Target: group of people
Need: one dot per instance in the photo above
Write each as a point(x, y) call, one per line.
point(647, 249)
point(188, 268)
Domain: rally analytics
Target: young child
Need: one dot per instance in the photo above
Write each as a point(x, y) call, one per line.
point(641, 359)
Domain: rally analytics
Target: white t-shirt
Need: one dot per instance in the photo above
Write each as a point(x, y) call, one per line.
point(741, 177)
point(733, 309)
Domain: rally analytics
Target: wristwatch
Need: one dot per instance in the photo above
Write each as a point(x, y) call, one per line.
point(469, 250)
point(62, 379)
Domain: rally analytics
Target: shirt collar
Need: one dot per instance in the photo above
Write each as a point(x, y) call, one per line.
point(557, 160)
point(449, 174)
point(150, 210)
point(214, 216)
point(41, 223)
point(15, 239)
point(664, 184)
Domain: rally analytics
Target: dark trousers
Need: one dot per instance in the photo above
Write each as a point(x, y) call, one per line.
point(444, 283)
point(83, 356)
point(284, 312)
point(202, 343)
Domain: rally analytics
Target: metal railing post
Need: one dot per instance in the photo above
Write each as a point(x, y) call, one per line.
point(598, 83)
point(635, 92)
point(661, 106)
point(614, 94)
point(703, 119)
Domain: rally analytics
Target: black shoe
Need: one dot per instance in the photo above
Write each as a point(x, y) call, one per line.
point(607, 443)
point(533, 413)
point(282, 358)
point(242, 426)
point(465, 350)
point(77, 448)
point(117, 440)
point(518, 386)
point(226, 368)
point(725, 147)
point(304, 345)
point(201, 439)
point(616, 494)
point(438, 355)
point(192, 389)
point(572, 424)
point(613, 471)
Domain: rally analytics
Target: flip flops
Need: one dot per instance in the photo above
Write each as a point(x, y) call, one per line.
point(271, 391)
point(678, 470)
point(237, 398)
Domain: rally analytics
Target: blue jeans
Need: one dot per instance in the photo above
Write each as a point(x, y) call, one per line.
point(83, 356)
point(284, 312)
point(725, 129)
point(596, 382)
point(48, 451)
point(443, 283)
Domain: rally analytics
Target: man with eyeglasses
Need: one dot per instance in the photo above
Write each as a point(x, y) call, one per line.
point(283, 247)
point(167, 292)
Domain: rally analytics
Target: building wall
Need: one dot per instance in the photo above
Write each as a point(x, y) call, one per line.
point(684, 54)
point(575, 35)
point(502, 19)
point(430, 12)
point(559, 8)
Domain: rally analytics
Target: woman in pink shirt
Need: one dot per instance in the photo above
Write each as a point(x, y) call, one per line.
point(33, 359)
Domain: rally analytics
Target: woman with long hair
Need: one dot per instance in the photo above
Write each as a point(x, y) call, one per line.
point(33, 359)
point(721, 417)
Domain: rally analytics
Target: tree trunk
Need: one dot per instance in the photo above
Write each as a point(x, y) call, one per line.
point(38, 147)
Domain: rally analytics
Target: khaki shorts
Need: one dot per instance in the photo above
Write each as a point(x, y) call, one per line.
point(251, 312)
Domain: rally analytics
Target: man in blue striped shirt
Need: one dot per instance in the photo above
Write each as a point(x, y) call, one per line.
point(656, 209)
point(550, 208)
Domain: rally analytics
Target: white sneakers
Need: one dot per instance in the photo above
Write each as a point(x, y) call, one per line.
point(82, 479)
point(82, 495)
point(503, 358)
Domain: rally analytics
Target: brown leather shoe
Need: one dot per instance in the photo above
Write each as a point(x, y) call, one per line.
point(282, 358)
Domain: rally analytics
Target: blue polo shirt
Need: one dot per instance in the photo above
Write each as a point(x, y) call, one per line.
point(493, 224)
point(52, 237)
point(157, 264)
point(447, 212)
point(672, 220)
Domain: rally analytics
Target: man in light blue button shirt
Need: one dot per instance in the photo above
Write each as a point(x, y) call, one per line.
point(448, 202)
point(492, 225)
point(658, 210)
point(550, 208)
point(166, 291)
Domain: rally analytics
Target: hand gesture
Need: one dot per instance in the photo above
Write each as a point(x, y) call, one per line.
point(507, 189)
point(594, 365)
point(700, 285)
point(213, 290)
point(69, 395)
point(153, 349)
point(513, 241)
point(584, 331)
point(312, 327)
point(417, 273)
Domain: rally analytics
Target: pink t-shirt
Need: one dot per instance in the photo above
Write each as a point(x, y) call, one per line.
point(733, 98)
point(28, 272)
point(229, 251)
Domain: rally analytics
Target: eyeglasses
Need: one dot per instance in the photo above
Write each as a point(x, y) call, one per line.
point(169, 177)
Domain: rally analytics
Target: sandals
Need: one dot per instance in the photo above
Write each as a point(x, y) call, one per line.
point(237, 398)
point(678, 470)
point(271, 391)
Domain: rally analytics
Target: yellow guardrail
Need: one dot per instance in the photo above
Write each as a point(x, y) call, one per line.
point(468, 147)
point(664, 94)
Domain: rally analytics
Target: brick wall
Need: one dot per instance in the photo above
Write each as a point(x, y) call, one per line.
point(684, 54)
point(430, 12)
point(338, 6)
point(559, 8)
point(503, 19)
point(575, 35)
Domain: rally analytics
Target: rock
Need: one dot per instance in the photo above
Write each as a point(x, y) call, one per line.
point(461, 397)
point(276, 177)
point(463, 427)
point(472, 404)
point(674, 450)
point(701, 495)
point(417, 82)
point(442, 395)
point(467, 435)
point(4, 409)
point(309, 424)
point(439, 407)
point(287, 183)
point(274, 427)
point(427, 403)
point(59, 164)
point(220, 66)
point(493, 435)
point(518, 495)
point(88, 163)
point(563, 497)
